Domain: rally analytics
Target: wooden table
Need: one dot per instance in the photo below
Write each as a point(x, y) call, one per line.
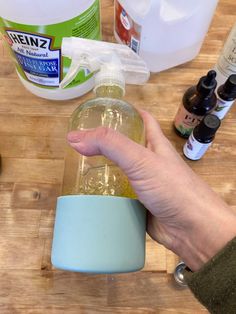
point(32, 145)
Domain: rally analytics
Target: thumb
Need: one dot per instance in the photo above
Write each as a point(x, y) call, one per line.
point(127, 154)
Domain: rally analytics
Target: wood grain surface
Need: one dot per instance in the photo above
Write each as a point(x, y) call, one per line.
point(32, 145)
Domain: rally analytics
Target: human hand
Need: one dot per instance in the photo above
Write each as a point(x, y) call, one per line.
point(186, 216)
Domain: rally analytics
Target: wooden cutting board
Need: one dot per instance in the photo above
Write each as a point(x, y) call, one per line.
point(32, 145)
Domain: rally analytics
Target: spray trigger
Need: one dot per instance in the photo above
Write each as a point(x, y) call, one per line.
point(85, 62)
point(92, 55)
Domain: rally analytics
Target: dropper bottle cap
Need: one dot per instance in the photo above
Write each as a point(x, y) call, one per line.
point(207, 84)
point(229, 88)
point(206, 130)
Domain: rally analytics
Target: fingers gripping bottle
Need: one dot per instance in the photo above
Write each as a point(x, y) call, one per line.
point(100, 226)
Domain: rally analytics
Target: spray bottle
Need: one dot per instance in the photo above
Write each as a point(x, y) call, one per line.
point(100, 226)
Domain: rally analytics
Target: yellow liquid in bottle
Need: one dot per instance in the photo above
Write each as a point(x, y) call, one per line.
point(97, 175)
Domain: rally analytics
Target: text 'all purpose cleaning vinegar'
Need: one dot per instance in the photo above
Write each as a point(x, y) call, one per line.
point(34, 31)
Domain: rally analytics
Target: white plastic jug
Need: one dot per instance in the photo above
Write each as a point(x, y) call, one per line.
point(165, 33)
point(34, 31)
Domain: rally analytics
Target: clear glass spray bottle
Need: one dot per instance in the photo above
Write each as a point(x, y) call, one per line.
point(98, 175)
point(100, 226)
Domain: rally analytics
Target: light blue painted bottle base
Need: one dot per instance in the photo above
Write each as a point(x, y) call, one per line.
point(99, 234)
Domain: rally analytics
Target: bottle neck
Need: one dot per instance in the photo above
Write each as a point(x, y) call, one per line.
point(109, 91)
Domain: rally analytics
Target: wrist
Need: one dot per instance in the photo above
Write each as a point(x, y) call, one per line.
point(204, 236)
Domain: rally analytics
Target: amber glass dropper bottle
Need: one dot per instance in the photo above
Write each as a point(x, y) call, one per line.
point(197, 102)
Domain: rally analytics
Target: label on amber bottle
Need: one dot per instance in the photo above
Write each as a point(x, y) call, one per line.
point(185, 121)
point(222, 107)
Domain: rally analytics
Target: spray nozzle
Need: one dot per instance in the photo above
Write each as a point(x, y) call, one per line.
point(115, 63)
